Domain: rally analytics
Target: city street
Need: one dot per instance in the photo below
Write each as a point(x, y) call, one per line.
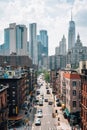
point(47, 121)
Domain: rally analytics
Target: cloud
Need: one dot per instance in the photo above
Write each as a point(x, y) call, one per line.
point(80, 11)
point(81, 18)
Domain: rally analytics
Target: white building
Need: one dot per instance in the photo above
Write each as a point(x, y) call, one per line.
point(33, 47)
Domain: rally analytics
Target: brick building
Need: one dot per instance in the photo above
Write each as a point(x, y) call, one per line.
point(72, 82)
point(84, 99)
point(3, 107)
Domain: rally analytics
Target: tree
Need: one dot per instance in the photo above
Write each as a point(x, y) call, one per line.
point(47, 76)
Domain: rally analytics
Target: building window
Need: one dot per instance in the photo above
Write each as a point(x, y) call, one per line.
point(74, 103)
point(13, 101)
point(74, 83)
point(13, 92)
point(74, 92)
point(86, 116)
point(79, 104)
point(13, 110)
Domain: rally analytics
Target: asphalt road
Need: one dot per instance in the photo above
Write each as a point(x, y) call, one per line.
point(47, 121)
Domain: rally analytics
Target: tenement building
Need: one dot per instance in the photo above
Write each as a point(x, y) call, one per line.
point(73, 96)
point(84, 99)
point(3, 107)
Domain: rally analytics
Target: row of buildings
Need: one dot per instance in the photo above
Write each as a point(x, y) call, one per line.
point(18, 82)
point(70, 86)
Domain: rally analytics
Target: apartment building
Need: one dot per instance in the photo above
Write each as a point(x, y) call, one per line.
point(73, 95)
point(84, 99)
point(3, 107)
point(16, 91)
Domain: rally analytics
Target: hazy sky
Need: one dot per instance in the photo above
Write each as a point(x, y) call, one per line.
point(52, 15)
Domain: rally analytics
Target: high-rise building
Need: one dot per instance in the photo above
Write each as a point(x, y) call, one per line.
point(21, 40)
point(33, 48)
point(63, 45)
point(71, 34)
point(40, 53)
point(15, 40)
point(44, 41)
point(10, 39)
point(61, 50)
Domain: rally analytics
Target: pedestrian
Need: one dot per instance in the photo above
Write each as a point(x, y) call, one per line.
point(58, 118)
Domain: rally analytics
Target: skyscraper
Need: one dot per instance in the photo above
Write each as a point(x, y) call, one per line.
point(33, 43)
point(71, 34)
point(15, 39)
point(10, 39)
point(44, 41)
point(61, 50)
point(21, 40)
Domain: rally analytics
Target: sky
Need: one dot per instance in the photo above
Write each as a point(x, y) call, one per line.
point(51, 15)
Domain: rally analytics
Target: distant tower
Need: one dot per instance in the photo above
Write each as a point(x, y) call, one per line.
point(61, 50)
point(33, 48)
point(63, 45)
point(71, 34)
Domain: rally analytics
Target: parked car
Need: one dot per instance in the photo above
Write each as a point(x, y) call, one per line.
point(37, 121)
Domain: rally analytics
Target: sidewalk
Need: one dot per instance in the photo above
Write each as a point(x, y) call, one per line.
point(62, 123)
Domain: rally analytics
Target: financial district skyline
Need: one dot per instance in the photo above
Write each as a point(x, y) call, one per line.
point(16, 41)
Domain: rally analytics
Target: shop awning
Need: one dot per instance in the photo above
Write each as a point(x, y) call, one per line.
point(66, 111)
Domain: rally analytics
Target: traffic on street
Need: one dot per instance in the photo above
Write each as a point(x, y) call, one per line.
point(46, 121)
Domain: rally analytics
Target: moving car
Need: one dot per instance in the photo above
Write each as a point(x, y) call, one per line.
point(48, 91)
point(40, 103)
point(37, 121)
point(39, 110)
point(50, 102)
point(46, 87)
point(46, 100)
point(39, 115)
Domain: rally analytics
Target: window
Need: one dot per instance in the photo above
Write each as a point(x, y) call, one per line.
point(74, 103)
point(74, 83)
point(13, 92)
point(74, 92)
point(13, 101)
point(13, 110)
point(79, 104)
